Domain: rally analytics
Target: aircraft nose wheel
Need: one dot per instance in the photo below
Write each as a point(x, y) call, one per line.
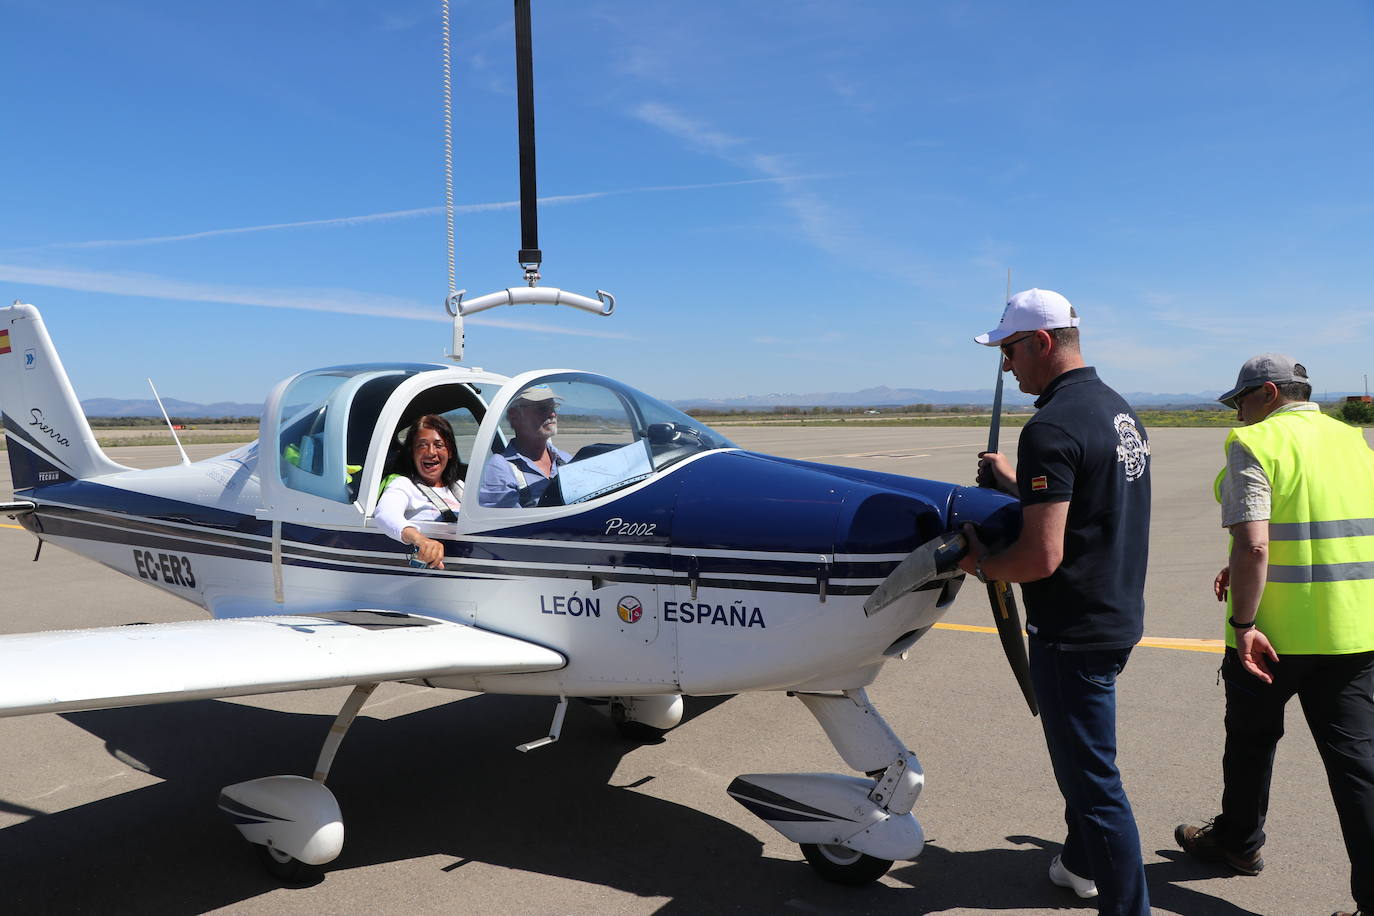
point(844, 865)
point(286, 868)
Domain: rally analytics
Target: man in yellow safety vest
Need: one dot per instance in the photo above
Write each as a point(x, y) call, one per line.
point(1297, 494)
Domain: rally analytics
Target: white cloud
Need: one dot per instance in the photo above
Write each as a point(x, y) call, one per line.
point(822, 224)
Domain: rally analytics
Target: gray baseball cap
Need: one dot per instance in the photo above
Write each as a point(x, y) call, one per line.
point(1267, 367)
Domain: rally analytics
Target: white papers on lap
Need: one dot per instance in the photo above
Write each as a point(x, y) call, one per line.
point(607, 471)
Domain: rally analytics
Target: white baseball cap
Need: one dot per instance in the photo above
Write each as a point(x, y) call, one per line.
point(1031, 310)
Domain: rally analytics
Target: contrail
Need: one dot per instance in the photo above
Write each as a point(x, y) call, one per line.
point(404, 214)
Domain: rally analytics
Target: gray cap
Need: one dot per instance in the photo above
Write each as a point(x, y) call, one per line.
point(535, 395)
point(1267, 367)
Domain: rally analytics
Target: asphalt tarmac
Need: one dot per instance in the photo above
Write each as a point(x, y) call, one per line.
point(114, 811)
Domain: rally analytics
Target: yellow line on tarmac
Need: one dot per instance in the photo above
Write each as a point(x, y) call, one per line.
point(1214, 646)
point(15, 527)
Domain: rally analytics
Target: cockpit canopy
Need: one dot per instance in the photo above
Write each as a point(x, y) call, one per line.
point(331, 436)
point(602, 436)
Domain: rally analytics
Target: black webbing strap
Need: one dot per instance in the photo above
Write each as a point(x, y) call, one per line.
point(524, 91)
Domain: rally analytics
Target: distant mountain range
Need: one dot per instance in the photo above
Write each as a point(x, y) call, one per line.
point(889, 397)
point(147, 407)
point(882, 396)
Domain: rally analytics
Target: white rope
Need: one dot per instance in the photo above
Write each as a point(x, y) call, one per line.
point(448, 153)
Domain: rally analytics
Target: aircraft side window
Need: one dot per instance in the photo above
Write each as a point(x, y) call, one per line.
point(324, 421)
point(563, 442)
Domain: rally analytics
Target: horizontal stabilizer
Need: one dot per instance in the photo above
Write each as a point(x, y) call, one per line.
point(66, 670)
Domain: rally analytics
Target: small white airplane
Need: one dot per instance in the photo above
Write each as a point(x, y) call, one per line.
point(662, 560)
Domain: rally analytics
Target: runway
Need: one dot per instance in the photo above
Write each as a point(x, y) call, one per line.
point(114, 811)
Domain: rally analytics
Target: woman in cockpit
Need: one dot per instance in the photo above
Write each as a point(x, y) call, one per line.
point(425, 488)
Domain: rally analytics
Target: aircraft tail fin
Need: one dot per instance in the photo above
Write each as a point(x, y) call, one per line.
point(46, 433)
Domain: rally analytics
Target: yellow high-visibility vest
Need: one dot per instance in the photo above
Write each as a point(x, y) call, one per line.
point(1319, 595)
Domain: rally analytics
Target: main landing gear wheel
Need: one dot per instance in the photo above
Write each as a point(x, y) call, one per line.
point(844, 865)
point(632, 729)
point(286, 868)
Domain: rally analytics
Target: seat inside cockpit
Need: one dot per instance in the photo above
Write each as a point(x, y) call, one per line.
point(458, 403)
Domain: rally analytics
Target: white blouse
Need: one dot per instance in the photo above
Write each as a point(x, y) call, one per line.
point(403, 502)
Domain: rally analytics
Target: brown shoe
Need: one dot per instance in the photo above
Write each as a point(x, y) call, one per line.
point(1201, 843)
point(1344, 913)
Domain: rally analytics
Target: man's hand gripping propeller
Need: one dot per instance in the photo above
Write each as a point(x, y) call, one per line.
point(942, 554)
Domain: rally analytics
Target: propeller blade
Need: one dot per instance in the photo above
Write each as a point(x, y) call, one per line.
point(1008, 620)
point(931, 559)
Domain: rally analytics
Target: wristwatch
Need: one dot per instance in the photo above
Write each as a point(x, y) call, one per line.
point(978, 570)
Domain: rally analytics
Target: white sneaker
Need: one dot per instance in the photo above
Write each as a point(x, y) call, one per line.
point(1061, 876)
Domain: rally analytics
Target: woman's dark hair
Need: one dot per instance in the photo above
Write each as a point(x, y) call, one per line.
point(405, 461)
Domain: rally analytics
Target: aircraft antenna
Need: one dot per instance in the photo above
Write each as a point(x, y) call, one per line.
point(995, 426)
point(185, 459)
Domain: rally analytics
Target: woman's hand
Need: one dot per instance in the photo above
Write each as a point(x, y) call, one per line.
point(429, 551)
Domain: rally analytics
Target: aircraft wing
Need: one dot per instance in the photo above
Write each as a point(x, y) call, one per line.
point(65, 670)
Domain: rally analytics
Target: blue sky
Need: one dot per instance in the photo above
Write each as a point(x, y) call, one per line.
point(784, 197)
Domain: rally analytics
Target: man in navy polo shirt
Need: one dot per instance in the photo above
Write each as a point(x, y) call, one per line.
point(1083, 477)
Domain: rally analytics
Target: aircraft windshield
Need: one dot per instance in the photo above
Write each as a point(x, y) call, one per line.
point(571, 438)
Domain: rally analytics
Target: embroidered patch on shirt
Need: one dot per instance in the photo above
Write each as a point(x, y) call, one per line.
point(1039, 483)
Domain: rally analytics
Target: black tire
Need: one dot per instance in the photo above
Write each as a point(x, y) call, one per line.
point(287, 869)
point(843, 865)
point(635, 731)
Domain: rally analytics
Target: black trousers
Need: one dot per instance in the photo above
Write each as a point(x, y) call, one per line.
point(1337, 696)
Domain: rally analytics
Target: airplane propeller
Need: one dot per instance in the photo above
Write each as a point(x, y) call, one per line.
point(937, 557)
point(1008, 620)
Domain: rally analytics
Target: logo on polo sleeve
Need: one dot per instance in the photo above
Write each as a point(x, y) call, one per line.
point(1040, 483)
point(1133, 451)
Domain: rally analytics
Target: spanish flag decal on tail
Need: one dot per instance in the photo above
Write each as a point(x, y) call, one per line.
point(5, 341)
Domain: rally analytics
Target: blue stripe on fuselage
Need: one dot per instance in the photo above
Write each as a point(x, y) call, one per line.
point(726, 502)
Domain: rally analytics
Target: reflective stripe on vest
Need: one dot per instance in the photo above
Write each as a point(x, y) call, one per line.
point(1306, 531)
point(1319, 593)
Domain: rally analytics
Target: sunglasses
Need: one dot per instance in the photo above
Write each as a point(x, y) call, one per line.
point(1234, 403)
point(1011, 344)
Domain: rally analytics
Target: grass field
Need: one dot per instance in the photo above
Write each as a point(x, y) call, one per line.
point(1151, 418)
point(145, 434)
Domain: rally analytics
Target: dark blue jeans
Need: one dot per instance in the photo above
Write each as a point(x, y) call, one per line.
point(1077, 696)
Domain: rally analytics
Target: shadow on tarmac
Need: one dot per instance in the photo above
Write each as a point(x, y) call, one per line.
point(447, 782)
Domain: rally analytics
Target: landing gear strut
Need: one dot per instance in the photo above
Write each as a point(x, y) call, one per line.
point(850, 829)
point(294, 823)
